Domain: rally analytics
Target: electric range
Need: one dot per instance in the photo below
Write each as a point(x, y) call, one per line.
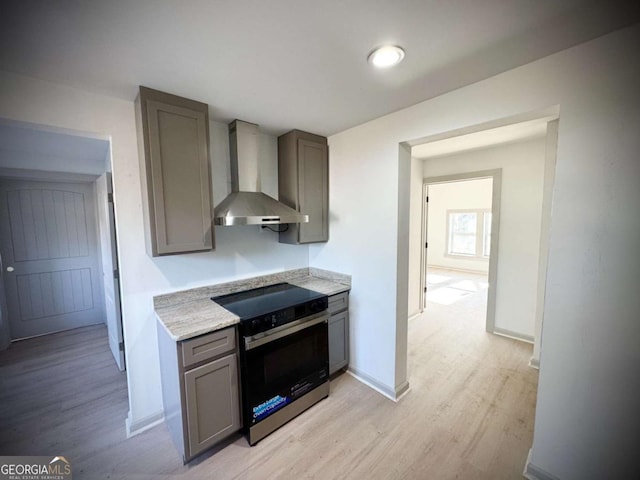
point(284, 353)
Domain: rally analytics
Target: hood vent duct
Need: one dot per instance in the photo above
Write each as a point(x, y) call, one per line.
point(246, 204)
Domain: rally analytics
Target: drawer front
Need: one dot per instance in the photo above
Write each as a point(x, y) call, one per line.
point(206, 347)
point(338, 302)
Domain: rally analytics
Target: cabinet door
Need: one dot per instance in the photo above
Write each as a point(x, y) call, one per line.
point(313, 190)
point(338, 341)
point(213, 408)
point(174, 136)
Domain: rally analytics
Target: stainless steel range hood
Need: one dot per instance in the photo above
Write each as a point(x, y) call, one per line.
point(247, 205)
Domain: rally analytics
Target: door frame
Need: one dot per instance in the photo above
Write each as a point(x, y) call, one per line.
point(5, 336)
point(51, 176)
point(496, 195)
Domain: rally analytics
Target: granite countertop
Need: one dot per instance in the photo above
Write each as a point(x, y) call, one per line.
point(190, 313)
point(322, 285)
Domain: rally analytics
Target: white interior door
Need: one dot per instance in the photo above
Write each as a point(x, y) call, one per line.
point(49, 246)
point(111, 280)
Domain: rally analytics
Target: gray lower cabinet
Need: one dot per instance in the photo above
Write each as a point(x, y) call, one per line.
point(211, 394)
point(200, 389)
point(338, 332)
point(173, 138)
point(303, 184)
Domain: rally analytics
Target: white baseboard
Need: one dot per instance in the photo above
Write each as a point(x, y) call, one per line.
point(415, 315)
point(136, 428)
point(525, 474)
point(458, 269)
point(503, 332)
point(402, 390)
point(392, 394)
point(531, 472)
point(534, 363)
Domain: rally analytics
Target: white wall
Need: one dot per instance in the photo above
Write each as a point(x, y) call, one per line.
point(464, 195)
point(589, 387)
point(522, 167)
point(241, 251)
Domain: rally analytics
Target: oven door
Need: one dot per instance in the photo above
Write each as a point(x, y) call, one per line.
point(281, 365)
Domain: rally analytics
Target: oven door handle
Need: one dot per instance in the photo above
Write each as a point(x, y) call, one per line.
point(293, 327)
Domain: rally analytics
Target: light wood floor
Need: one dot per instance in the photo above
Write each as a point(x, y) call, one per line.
point(469, 414)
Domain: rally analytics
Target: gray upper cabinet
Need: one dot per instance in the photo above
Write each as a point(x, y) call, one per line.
point(303, 184)
point(173, 137)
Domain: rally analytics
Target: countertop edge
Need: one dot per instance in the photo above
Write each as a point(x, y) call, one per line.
point(202, 322)
point(199, 331)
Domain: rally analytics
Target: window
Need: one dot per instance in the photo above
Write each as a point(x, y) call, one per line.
point(469, 233)
point(462, 233)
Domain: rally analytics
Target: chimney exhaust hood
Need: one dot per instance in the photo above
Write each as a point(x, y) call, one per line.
point(246, 204)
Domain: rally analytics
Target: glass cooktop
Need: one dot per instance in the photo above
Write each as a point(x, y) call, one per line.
point(261, 301)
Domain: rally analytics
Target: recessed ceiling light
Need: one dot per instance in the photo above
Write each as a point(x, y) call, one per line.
point(386, 56)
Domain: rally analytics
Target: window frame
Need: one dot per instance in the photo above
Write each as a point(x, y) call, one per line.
point(486, 234)
point(480, 234)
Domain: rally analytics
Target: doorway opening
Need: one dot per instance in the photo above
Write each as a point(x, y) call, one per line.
point(457, 226)
point(523, 150)
point(58, 248)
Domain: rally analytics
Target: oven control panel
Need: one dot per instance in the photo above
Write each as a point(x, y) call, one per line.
point(282, 317)
point(272, 320)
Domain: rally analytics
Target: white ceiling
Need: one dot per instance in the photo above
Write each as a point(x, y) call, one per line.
point(495, 136)
point(291, 63)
